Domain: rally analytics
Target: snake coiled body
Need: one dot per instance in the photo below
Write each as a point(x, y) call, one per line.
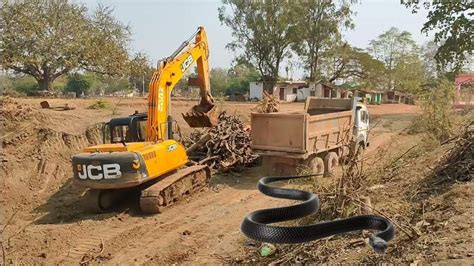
point(256, 224)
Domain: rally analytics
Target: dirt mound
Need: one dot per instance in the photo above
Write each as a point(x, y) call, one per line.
point(13, 112)
point(35, 158)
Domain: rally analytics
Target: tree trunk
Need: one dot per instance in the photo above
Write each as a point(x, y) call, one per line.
point(268, 86)
point(44, 84)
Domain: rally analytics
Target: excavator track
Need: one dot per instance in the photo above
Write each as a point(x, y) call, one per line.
point(173, 188)
point(102, 200)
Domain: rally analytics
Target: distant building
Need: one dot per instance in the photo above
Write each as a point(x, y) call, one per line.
point(283, 90)
point(464, 90)
point(291, 91)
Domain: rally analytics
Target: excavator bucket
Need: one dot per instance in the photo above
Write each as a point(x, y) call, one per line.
point(201, 116)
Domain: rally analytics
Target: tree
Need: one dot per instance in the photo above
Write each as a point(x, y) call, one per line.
point(140, 72)
point(111, 84)
point(262, 32)
point(78, 83)
point(393, 47)
point(453, 26)
point(47, 39)
point(219, 81)
point(362, 69)
point(409, 74)
point(318, 31)
point(240, 76)
point(428, 52)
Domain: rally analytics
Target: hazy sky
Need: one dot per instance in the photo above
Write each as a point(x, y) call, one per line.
point(159, 27)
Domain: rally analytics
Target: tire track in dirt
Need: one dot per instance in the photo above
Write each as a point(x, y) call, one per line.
point(131, 230)
point(189, 235)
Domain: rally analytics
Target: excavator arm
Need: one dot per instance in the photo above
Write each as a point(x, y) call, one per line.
point(169, 72)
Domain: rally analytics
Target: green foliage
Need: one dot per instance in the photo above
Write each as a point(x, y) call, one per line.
point(78, 83)
point(5, 83)
point(140, 72)
point(26, 84)
point(452, 22)
point(47, 39)
point(409, 75)
point(318, 37)
point(219, 81)
point(400, 55)
point(113, 84)
point(371, 71)
point(262, 31)
point(428, 52)
point(100, 104)
point(239, 78)
point(392, 46)
point(438, 118)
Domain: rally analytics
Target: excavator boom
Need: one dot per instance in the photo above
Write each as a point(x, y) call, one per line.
point(169, 72)
point(134, 158)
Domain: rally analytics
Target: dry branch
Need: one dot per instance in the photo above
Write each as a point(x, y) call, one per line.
point(224, 147)
point(267, 105)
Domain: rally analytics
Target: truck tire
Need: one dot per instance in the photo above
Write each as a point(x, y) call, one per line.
point(331, 161)
point(315, 164)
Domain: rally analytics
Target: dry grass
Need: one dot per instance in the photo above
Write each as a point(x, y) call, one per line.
point(403, 182)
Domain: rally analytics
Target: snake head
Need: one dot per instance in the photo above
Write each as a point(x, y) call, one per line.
point(378, 244)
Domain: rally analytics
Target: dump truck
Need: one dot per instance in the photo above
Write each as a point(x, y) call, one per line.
point(320, 137)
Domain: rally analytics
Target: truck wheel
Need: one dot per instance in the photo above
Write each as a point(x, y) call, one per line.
point(331, 161)
point(315, 164)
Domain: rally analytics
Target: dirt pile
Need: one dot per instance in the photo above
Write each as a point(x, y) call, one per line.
point(13, 112)
point(35, 158)
point(224, 147)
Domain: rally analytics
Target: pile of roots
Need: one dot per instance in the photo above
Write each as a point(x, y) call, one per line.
point(267, 105)
point(225, 147)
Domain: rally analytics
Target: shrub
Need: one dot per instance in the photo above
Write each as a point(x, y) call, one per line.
point(100, 104)
point(438, 117)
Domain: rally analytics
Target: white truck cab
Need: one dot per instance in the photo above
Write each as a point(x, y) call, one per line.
point(361, 125)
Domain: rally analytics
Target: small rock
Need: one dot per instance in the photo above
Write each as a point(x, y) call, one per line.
point(454, 256)
point(43, 255)
point(186, 233)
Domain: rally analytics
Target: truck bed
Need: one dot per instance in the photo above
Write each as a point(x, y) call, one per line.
point(325, 124)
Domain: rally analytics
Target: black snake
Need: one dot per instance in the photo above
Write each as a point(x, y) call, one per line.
point(256, 224)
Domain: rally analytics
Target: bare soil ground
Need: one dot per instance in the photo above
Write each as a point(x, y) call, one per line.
point(41, 221)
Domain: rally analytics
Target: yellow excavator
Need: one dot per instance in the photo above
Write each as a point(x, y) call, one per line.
point(139, 152)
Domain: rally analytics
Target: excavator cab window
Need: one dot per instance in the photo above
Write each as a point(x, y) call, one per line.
point(116, 134)
point(125, 129)
point(106, 137)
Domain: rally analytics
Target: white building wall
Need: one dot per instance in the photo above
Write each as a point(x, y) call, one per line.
point(256, 90)
point(302, 93)
point(318, 90)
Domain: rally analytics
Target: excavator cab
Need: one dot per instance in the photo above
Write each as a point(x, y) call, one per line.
point(125, 129)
